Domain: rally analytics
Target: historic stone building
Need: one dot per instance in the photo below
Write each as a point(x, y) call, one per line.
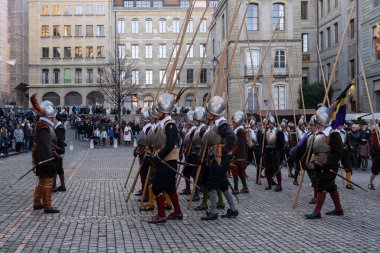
point(67, 44)
point(279, 80)
point(146, 32)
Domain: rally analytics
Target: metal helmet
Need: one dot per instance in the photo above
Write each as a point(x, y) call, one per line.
point(48, 109)
point(322, 116)
point(284, 123)
point(153, 112)
point(302, 121)
point(312, 120)
point(145, 113)
point(216, 105)
point(165, 103)
point(252, 122)
point(200, 113)
point(271, 119)
point(189, 118)
point(265, 121)
point(238, 117)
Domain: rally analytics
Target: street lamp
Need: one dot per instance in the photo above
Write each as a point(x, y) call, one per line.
point(214, 63)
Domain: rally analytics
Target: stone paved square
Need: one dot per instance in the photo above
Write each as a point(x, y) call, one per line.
point(95, 217)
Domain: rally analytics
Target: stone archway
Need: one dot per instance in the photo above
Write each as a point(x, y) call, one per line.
point(52, 97)
point(73, 98)
point(95, 98)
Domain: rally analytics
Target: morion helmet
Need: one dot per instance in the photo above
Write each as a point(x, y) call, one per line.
point(216, 105)
point(238, 117)
point(145, 113)
point(322, 116)
point(200, 113)
point(189, 118)
point(165, 103)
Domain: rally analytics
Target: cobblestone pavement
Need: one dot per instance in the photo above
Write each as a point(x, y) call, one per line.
point(95, 217)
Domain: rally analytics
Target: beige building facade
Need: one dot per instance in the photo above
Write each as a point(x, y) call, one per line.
point(68, 41)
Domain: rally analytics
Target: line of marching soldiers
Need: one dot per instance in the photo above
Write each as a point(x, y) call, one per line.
point(212, 149)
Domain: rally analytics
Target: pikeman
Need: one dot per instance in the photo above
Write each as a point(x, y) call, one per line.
point(285, 152)
point(165, 160)
point(292, 143)
point(274, 139)
point(60, 132)
point(239, 153)
point(186, 150)
point(220, 139)
point(375, 146)
point(345, 160)
point(326, 152)
point(44, 150)
point(301, 130)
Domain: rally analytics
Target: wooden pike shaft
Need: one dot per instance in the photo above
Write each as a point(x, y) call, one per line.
point(129, 173)
point(134, 182)
point(299, 188)
point(146, 186)
point(323, 75)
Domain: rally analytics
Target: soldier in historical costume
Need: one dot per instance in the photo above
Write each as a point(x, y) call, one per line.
point(43, 150)
point(60, 132)
point(186, 150)
point(326, 148)
point(274, 144)
point(239, 163)
point(220, 139)
point(165, 160)
point(375, 153)
point(345, 160)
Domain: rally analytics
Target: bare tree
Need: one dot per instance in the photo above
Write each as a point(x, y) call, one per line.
point(120, 79)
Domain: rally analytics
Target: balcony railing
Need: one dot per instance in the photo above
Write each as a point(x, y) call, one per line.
point(78, 80)
point(250, 70)
point(89, 80)
point(279, 71)
point(305, 57)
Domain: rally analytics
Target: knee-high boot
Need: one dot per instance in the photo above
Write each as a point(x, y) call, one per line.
point(62, 187)
point(47, 184)
point(38, 196)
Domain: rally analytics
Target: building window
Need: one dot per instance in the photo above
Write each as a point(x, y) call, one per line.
point(189, 100)
point(190, 76)
point(100, 30)
point(253, 17)
point(56, 52)
point(120, 26)
point(67, 30)
point(328, 6)
point(336, 33)
point(252, 102)
point(203, 28)
point(45, 52)
point(352, 28)
point(128, 3)
point(78, 10)
point(175, 49)
point(78, 52)
point(135, 25)
point(202, 50)
point(67, 52)
point(56, 76)
point(45, 31)
point(336, 3)
point(90, 9)
point(78, 30)
point(162, 76)
point(321, 7)
point(130, 102)
point(305, 76)
point(135, 51)
point(184, 3)
point(148, 101)
point(78, 75)
point(100, 50)
point(142, 4)
point(56, 10)
point(376, 34)
point(148, 25)
point(252, 61)
point(321, 40)
point(223, 24)
point(177, 76)
point(162, 51)
point(148, 51)
point(157, 4)
point(56, 30)
point(191, 52)
point(304, 6)
point(328, 69)
point(89, 31)
point(278, 16)
point(162, 25)
point(100, 75)
point(45, 10)
point(45, 76)
point(352, 69)
point(67, 76)
point(67, 10)
point(190, 26)
point(280, 62)
point(279, 96)
point(176, 25)
point(203, 76)
point(213, 3)
point(305, 42)
point(135, 77)
point(90, 76)
point(328, 37)
point(90, 52)
point(100, 9)
point(149, 77)
point(121, 51)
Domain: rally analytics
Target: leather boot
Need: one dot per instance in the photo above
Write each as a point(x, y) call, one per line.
point(54, 187)
point(161, 216)
point(62, 187)
point(38, 196)
point(46, 196)
point(316, 214)
point(338, 207)
point(236, 183)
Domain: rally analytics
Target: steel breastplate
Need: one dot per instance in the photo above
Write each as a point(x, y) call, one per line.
point(286, 138)
point(301, 134)
point(271, 138)
point(213, 137)
point(150, 137)
point(159, 137)
point(343, 136)
point(253, 136)
point(321, 144)
point(187, 138)
point(143, 139)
